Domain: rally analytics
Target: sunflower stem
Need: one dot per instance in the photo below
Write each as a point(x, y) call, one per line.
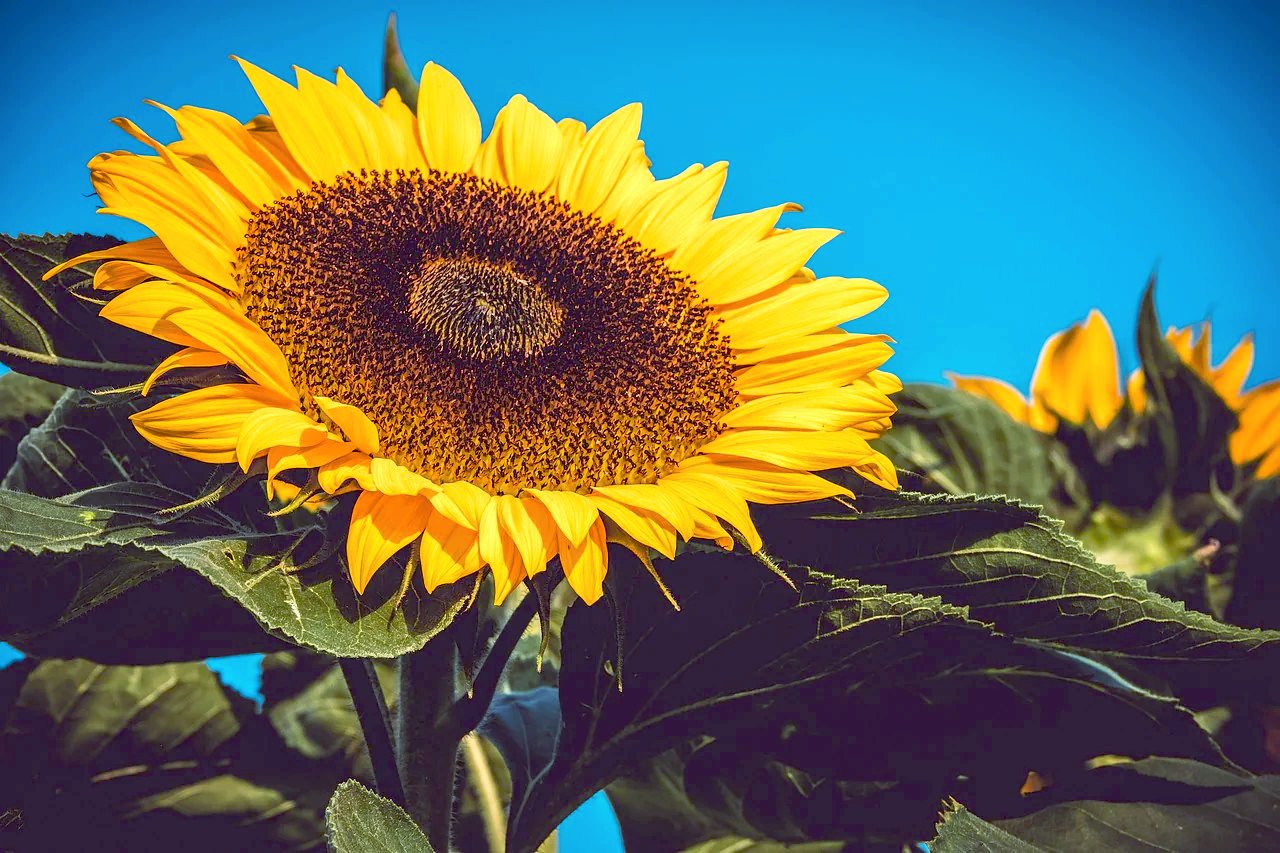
point(428, 736)
point(471, 709)
point(375, 722)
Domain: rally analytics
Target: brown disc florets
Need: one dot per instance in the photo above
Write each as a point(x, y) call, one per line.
point(492, 335)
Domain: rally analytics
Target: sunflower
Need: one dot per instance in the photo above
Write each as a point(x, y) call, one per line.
point(513, 349)
point(1077, 380)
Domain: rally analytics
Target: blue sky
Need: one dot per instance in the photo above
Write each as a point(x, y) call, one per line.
point(1001, 167)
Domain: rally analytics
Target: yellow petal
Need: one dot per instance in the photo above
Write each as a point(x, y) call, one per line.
point(149, 250)
point(678, 208)
point(646, 527)
point(753, 269)
point(500, 552)
point(1258, 434)
point(354, 422)
point(448, 552)
point(380, 526)
point(586, 563)
point(448, 124)
point(267, 428)
point(306, 131)
point(801, 310)
point(725, 236)
point(799, 451)
point(600, 160)
point(825, 409)
point(573, 513)
point(1229, 377)
point(648, 498)
point(234, 152)
point(760, 482)
point(1001, 393)
point(355, 465)
point(392, 478)
point(717, 497)
point(462, 502)
point(834, 366)
point(284, 458)
point(523, 149)
point(205, 424)
point(188, 357)
point(1078, 374)
point(149, 308)
point(527, 523)
point(241, 341)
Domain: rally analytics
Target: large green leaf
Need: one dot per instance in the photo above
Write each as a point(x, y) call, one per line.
point(91, 524)
point(147, 758)
point(1015, 568)
point(25, 401)
point(795, 677)
point(359, 821)
point(967, 445)
point(49, 331)
point(1156, 804)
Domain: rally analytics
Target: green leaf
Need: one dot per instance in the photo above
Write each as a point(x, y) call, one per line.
point(395, 71)
point(48, 331)
point(360, 821)
point(775, 674)
point(25, 401)
point(1015, 568)
point(960, 831)
point(1255, 595)
point(967, 445)
point(92, 524)
point(1156, 804)
point(314, 714)
point(147, 758)
point(1191, 421)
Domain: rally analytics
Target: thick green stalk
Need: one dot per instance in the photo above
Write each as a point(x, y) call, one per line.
point(428, 736)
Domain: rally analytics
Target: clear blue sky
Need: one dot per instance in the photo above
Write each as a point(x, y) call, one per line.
point(1001, 167)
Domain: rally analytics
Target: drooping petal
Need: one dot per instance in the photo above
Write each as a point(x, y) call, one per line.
point(586, 563)
point(380, 526)
point(573, 513)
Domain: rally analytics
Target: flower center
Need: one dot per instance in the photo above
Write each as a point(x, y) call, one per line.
point(481, 311)
point(491, 334)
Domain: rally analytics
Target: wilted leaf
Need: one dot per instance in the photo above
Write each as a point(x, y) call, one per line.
point(95, 526)
point(967, 445)
point(1015, 568)
point(147, 758)
point(360, 821)
point(49, 332)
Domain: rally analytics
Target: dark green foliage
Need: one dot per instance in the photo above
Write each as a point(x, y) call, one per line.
point(51, 329)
